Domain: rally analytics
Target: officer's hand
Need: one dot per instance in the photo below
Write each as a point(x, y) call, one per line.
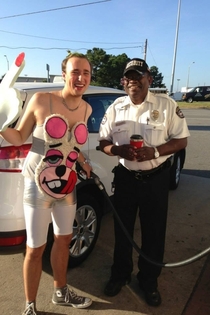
point(10, 99)
point(144, 154)
point(127, 152)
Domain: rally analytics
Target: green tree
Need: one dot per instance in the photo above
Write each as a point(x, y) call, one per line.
point(110, 74)
point(98, 59)
point(107, 69)
point(157, 78)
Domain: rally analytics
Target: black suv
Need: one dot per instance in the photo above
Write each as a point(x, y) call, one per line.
point(199, 93)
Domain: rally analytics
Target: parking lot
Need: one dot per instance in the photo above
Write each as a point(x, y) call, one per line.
point(187, 234)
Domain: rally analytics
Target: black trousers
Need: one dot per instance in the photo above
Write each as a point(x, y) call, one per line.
point(150, 196)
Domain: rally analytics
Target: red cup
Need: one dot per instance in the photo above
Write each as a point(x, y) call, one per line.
point(136, 141)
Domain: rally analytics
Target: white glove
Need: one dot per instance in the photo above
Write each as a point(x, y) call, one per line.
point(10, 99)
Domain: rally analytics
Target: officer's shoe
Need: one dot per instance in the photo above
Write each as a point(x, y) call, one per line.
point(152, 296)
point(113, 287)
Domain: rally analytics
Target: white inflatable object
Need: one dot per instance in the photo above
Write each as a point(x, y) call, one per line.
point(10, 99)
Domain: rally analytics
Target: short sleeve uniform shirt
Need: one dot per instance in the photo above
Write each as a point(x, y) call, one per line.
point(158, 119)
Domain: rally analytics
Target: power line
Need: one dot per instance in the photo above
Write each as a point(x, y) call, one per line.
point(49, 10)
point(65, 48)
point(69, 40)
point(152, 55)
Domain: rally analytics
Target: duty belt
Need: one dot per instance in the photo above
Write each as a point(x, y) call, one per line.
point(141, 175)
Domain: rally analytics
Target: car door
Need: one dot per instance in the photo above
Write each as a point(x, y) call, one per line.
point(207, 93)
point(101, 163)
point(199, 95)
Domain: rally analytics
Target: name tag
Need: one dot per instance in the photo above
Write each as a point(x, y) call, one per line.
point(120, 123)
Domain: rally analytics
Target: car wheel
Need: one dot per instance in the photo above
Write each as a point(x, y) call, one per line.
point(175, 172)
point(85, 230)
point(190, 100)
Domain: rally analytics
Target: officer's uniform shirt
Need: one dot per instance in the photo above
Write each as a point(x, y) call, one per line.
point(158, 119)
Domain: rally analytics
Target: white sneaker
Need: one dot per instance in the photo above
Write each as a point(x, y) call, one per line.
point(70, 298)
point(30, 310)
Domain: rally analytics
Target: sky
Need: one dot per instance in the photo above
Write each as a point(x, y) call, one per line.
point(45, 30)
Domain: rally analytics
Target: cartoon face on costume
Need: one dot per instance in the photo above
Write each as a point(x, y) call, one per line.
point(55, 174)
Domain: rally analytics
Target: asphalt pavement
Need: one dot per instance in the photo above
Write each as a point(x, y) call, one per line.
point(184, 290)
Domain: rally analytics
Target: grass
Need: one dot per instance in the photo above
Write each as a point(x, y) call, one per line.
point(185, 105)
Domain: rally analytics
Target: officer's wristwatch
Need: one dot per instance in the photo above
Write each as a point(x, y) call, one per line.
point(157, 154)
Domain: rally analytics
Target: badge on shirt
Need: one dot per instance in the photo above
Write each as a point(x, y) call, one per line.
point(155, 115)
point(119, 123)
point(179, 112)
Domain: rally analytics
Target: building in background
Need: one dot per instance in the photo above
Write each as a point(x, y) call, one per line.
point(36, 79)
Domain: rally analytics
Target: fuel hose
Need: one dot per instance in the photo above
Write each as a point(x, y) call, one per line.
point(135, 246)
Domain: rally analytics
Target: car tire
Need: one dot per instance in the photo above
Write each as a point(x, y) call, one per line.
point(85, 230)
point(190, 100)
point(175, 171)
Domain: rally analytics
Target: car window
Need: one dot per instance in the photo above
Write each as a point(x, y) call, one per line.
point(99, 104)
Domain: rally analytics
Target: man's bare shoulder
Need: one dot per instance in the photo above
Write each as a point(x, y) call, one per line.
point(89, 108)
point(40, 98)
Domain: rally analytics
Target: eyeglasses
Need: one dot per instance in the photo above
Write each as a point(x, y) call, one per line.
point(133, 77)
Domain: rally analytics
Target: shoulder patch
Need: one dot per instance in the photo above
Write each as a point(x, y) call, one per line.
point(104, 120)
point(179, 112)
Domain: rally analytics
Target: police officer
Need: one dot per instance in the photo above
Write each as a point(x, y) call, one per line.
point(142, 175)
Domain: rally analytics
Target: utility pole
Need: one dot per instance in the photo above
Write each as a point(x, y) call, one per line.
point(175, 48)
point(48, 72)
point(177, 85)
point(188, 75)
point(145, 50)
point(7, 62)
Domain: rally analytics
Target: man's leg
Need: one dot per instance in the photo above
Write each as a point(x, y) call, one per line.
point(32, 269)
point(59, 259)
point(37, 219)
point(126, 207)
point(63, 218)
point(153, 216)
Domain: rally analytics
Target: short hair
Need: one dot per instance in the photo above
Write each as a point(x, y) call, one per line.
point(71, 55)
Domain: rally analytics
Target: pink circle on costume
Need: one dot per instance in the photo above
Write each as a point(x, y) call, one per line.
point(56, 127)
point(81, 133)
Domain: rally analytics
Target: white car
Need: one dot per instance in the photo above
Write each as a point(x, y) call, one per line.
point(92, 202)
